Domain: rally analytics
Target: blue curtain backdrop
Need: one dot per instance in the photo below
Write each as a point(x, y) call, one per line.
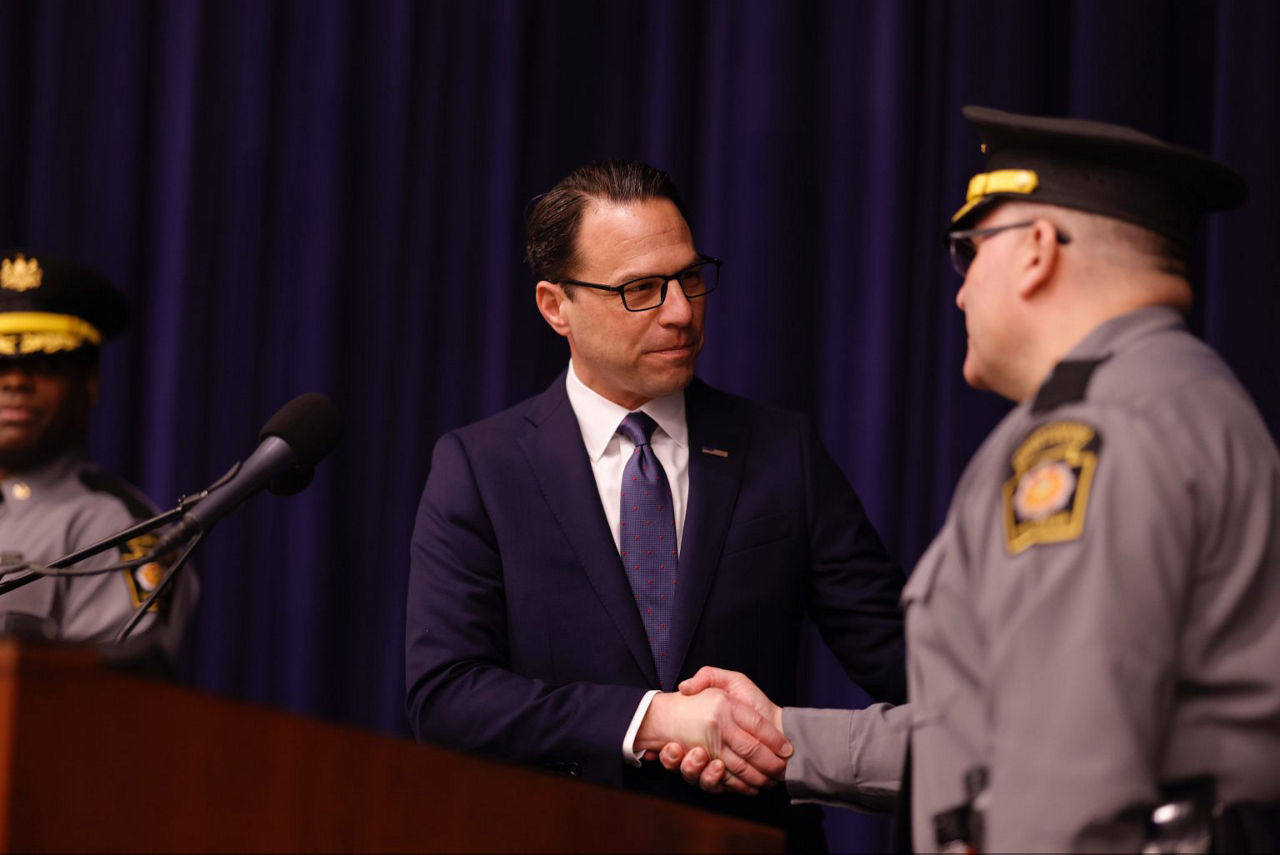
point(328, 196)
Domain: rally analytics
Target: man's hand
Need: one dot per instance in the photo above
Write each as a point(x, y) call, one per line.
point(738, 686)
point(750, 750)
point(694, 763)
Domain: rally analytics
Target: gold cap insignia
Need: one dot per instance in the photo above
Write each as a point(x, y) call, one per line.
point(985, 184)
point(19, 274)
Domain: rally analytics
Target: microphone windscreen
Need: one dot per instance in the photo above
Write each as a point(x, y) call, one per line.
point(310, 424)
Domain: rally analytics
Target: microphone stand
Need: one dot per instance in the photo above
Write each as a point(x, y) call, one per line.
point(184, 505)
point(101, 546)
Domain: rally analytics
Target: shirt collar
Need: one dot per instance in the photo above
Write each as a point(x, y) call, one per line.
point(598, 417)
point(44, 475)
point(1116, 333)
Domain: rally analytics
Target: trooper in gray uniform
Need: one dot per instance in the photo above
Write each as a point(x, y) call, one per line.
point(1093, 634)
point(53, 318)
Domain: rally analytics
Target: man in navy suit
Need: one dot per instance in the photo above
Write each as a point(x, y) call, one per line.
point(549, 613)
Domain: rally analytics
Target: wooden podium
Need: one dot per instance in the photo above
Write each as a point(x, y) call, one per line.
point(92, 760)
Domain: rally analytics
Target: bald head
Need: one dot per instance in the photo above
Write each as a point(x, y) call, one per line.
point(1110, 244)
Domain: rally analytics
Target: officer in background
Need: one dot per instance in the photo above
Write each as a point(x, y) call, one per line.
point(1093, 637)
point(53, 318)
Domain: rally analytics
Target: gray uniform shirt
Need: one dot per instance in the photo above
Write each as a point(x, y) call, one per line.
point(63, 506)
point(1100, 613)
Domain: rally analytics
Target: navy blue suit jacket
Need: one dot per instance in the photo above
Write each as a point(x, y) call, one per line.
point(522, 637)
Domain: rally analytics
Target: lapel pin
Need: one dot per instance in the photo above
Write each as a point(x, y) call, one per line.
point(717, 452)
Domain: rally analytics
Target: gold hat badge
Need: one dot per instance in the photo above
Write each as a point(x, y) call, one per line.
point(19, 274)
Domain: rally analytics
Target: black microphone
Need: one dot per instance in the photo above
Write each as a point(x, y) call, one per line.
point(291, 443)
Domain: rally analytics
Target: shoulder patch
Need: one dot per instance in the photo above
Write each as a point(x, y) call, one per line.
point(1047, 492)
point(100, 482)
point(141, 581)
point(1066, 385)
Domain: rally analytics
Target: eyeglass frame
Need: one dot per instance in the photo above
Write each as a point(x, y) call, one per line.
point(968, 234)
point(620, 290)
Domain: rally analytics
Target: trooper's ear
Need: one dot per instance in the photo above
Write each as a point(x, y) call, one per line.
point(1037, 257)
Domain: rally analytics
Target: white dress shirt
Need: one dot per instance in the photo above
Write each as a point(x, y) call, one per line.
point(608, 450)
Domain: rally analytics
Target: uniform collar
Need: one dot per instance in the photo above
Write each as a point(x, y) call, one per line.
point(1118, 332)
point(1070, 376)
point(598, 417)
point(42, 477)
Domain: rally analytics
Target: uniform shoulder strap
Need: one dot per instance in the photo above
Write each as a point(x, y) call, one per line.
point(1067, 384)
point(97, 481)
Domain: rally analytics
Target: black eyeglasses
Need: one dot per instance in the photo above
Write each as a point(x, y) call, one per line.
point(649, 292)
point(964, 247)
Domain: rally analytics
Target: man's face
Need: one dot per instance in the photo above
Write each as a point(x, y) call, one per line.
point(632, 357)
point(44, 408)
point(988, 301)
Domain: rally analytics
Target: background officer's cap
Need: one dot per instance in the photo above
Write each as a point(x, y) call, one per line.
point(1100, 168)
point(50, 306)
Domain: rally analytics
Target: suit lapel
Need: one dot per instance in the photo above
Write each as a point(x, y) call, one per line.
point(553, 445)
point(717, 454)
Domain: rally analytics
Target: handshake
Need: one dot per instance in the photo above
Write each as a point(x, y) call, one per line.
point(720, 732)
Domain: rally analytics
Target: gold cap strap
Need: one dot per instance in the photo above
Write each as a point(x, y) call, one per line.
point(985, 184)
point(44, 332)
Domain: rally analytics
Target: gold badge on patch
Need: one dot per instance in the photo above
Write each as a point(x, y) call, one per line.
point(19, 274)
point(143, 580)
point(1046, 497)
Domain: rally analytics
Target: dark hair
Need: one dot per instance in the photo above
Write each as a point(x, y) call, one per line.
point(551, 232)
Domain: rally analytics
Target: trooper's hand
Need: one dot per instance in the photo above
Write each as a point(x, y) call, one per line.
point(750, 751)
point(700, 767)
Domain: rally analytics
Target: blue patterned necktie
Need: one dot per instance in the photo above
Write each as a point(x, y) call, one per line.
point(647, 542)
